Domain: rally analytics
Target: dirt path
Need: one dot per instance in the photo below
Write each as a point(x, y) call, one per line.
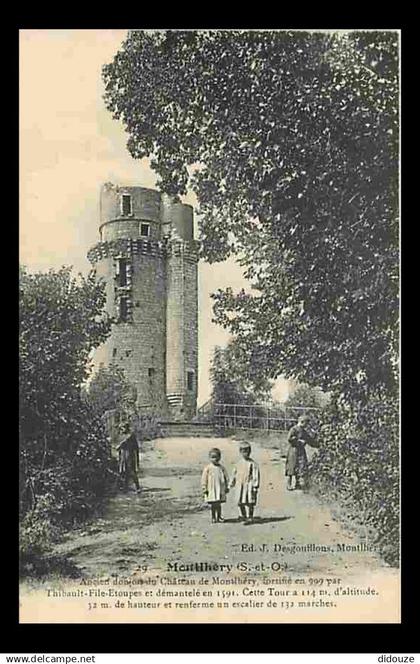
point(168, 522)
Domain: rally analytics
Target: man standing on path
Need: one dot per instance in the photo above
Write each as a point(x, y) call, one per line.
point(129, 458)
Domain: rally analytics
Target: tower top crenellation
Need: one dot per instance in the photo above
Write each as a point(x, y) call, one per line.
point(135, 211)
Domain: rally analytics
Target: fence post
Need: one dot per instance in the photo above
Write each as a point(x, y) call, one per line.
point(234, 415)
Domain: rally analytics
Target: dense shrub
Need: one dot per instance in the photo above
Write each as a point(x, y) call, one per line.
point(148, 427)
point(357, 464)
point(64, 492)
point(114, 399)
point(109, 390)
point(64, 450)
point(307, 397)
point(36, 534)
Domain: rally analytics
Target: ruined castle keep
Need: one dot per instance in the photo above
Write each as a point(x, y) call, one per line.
point(148, 258)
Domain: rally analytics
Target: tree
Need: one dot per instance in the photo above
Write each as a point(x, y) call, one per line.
point(232, 376)
point(113, 398)
point(109, 390)
point(290, 142)
point(64, 451)
point(236, 394)
point(224, 389)
point(305, 396)
point(231, 379)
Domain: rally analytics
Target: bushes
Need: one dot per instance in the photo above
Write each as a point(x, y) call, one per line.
point(147, 427)
point(36, 534)
point(64, 451)
point(114, 399)
point(358, 466)
point(63, 493)
point(306, 396)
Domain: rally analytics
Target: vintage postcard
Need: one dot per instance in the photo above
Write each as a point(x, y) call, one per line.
point(209, 340)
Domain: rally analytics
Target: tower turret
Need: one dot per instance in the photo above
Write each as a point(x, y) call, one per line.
point(148, 257)
point(181, 315)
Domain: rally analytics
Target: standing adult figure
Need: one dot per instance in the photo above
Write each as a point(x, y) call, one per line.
point(296, 460)
point(129, 457)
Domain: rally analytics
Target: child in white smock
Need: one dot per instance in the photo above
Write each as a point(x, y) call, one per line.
point(246, 478)
point(215, 485)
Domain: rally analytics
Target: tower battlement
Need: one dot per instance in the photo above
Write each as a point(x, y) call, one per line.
point(148, 257)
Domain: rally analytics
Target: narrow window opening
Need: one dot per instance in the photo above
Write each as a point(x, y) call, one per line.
point(122, 272)
point(114, 352)
point(123, 310)
point(190, 381)
point(151, 372)
point(145, 230)
point(126, 204)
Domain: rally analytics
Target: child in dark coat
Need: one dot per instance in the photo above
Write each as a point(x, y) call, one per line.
point(129, 458)
point(297, 461)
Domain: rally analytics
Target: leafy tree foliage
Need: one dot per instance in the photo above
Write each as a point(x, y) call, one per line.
point(290, 141)
point(307, 397)
point(232, 378)
point(109, 390)
point(64, 453)
point(225, 389)
point(114, 399)
point(358, 464)
point(234, 388)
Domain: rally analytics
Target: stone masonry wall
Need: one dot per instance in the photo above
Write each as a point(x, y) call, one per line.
point(191, 332)
point(146, 203)
point(182, 332)
point(174, 326)
point(127, 228)
point(154, 337)
point(139, 345)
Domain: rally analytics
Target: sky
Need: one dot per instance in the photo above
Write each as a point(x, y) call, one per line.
point(69, 146)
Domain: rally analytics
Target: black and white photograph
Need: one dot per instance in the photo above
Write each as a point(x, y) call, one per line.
point(209, 338)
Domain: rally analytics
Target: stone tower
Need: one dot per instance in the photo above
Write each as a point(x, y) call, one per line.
point(148, 258)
